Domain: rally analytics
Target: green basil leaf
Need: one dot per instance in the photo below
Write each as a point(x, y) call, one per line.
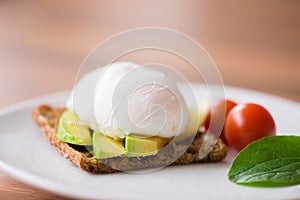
point(269, 162)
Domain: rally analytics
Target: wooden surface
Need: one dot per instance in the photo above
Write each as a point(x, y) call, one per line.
point(255, 45)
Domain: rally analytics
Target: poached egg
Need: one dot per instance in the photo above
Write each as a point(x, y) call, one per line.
point(126, 98)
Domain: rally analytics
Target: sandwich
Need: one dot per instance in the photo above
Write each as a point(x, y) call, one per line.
point(126, 117)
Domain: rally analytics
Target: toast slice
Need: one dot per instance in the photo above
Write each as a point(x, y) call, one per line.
point(47, 118)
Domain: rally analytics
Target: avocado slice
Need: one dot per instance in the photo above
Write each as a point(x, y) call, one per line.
point(198, 115)
point(139, 146)
point(71, 131)
point(107, 147)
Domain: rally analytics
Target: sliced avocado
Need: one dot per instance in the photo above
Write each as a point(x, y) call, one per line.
point(107, 147)
point(192, 127)
point(71, 131)
point(139, 146)
point(198, 115)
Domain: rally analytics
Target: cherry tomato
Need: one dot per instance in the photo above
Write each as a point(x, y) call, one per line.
point(219, 112)
point(246, 123)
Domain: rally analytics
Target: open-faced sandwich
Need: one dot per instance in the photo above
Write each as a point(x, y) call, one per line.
point(125, 117)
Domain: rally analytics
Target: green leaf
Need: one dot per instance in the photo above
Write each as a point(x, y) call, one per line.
point(269, 162)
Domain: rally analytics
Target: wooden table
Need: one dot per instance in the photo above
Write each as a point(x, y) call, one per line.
point(255, 45)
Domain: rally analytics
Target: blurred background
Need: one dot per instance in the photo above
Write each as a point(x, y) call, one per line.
point(255, 44)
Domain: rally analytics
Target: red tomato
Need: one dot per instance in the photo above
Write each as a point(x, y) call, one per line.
point(246, 123)
point(219, 113)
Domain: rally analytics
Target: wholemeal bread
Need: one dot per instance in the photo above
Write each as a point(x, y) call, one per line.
point(47, 118)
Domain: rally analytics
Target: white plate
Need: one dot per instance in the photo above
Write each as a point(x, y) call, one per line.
point(26, 155)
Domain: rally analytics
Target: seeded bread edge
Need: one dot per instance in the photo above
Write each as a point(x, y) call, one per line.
point(47, 118)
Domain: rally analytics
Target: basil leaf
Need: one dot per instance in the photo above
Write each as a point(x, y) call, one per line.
point(269, 162)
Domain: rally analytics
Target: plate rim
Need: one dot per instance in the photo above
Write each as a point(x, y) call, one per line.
point(55, 187)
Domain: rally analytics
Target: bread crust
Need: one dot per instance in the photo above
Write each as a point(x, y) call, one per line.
point(47, 118)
